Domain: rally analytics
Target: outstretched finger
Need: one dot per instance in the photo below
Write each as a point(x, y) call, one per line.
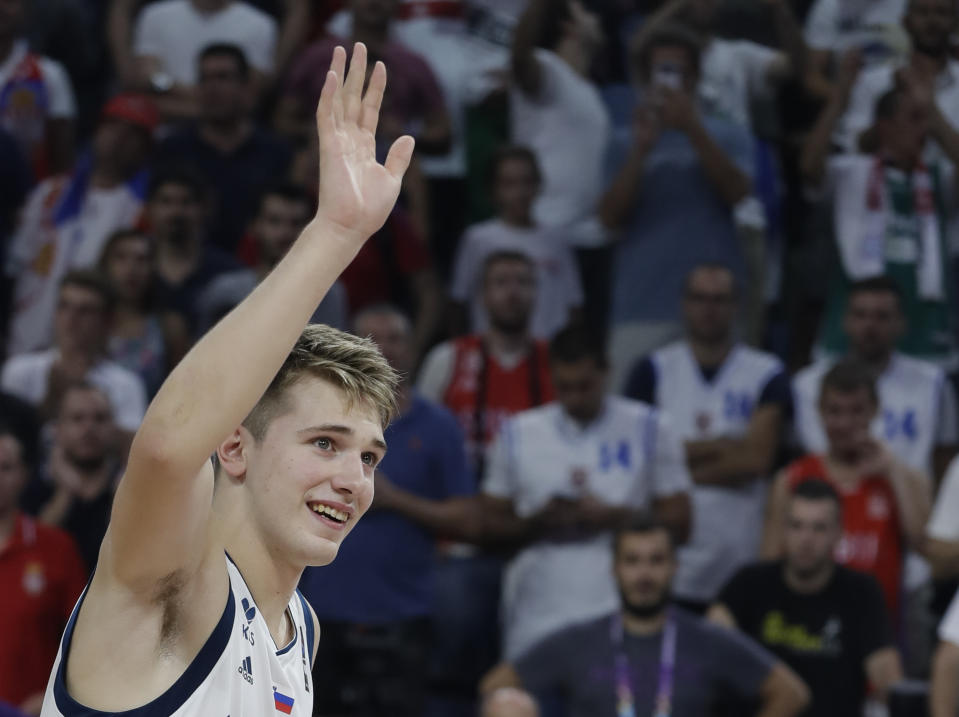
point(338, 65)
point(399, 156)
point(373, 98)
point(325, 122)
point(353, 87)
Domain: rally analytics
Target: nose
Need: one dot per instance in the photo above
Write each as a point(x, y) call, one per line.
point(349, 479)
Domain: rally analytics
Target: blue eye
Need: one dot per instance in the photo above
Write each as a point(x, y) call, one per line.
point(369, 459)
point(323, 444)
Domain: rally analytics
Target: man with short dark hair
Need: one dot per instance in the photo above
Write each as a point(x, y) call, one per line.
point(827, 622)
point(514, 183)
point(917, 416)
point(282, 213)
point(885, 502)
point(185, 261)
point(237, 157)
point(558, 480)
point(648, 657)
point(729, 403)
point(82, 326)
point(679, 172)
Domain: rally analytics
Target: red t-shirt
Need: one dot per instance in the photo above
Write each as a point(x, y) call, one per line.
point(42, 576)
point(505, 391)
point(872, 536)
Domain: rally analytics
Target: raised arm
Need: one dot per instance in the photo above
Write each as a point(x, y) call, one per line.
point(161, 509)
point(527, 73)
point(812, 162)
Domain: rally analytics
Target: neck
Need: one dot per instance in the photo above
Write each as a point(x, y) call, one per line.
point(105, 177)
point(808, 584)
point(932, 63)
point(710, 354)
point(228, 134)
point(903, 161)
point(506, 342)
point(877, 364)
point(373, 36)
point(7, 521)
point(575, 55)
point(524, 220)
point(210, 5)
point(168, 249)
point(271, 578)
point(636, 625)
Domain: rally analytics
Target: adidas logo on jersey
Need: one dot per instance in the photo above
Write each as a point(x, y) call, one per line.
point(246, 670)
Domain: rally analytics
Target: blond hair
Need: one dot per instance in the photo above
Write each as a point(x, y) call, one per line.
point(352, 364)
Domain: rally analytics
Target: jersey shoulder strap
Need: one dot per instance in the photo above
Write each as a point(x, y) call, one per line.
point(308, 623)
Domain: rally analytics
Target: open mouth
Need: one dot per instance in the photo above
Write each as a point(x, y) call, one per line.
point(329, 514)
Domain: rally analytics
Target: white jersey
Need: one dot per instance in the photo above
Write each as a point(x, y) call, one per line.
point(917, 410)
point(727, 521)
point(237, 673)
point(628, 456)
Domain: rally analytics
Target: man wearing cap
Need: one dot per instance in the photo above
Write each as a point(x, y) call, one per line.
point(67, 219)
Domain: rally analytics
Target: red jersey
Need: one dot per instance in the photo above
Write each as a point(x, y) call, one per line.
point(482, 393)
point(871, 533)
point(42, 576)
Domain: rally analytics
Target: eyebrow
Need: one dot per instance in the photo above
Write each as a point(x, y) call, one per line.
point(337, 428)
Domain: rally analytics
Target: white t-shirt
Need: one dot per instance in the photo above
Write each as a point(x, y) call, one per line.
point(55, 79)
point(944, 521)
point(568, 128)
point(873, 25)
point(558, 287)
point(917, 410)
point(872, 83)
point(26, 376)
point(732, 74)
point(701, 410)
point(175, 32)
point(239, 671)
point(41, 253)
point(949, 627)
point(628, 456)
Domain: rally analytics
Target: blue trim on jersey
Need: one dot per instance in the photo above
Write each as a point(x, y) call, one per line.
point(178, 693)
point(292, 619)
point(308, 620)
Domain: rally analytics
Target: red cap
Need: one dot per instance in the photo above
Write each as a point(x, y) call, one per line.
point(136, 109)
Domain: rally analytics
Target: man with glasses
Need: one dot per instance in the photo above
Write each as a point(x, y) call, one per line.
point(728, 403)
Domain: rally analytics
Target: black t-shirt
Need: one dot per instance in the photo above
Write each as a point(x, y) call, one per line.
point(825, 637)
point(85, 521)
point(578, 664)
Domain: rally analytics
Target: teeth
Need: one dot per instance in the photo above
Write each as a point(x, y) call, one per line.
point(323, 509)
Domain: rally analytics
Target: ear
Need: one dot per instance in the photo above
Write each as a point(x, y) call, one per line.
point(232, 453)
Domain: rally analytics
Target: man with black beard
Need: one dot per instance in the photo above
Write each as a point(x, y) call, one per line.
point(185, 261)
point(75, 492)
point(825, 621)
point(649, 657)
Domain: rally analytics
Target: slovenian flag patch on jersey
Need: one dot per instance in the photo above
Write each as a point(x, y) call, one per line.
point(282, 703)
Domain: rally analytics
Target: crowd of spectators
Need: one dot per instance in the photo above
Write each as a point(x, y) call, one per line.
point(673, 286)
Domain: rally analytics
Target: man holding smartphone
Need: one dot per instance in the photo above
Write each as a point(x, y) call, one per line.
point(681, 175)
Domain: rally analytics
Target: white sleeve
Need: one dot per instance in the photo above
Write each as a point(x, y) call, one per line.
point(861, 109)
point(947, 428)
point(669, 472)
point(29, 233)
point(949, 627)
point(436, 372)
point(498, 480)
point(63, 105)
point(130, 404)
point(944, 521)
point(466, 268)
point(262, 52)
point(821, 32)
point(755, 61)
point(146, 38)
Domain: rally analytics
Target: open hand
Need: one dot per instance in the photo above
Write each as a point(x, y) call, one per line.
point(357, 193)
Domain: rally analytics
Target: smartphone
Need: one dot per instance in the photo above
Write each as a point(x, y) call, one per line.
point(667, 74)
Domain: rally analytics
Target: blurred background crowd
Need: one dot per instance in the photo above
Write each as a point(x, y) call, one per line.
point(697, 259)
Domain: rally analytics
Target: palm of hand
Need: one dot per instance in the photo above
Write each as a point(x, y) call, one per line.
point(357, 193)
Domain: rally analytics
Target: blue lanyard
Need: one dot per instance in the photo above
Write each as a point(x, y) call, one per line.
point(625, 701)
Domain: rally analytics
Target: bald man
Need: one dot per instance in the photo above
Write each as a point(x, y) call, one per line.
point(509, 702)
